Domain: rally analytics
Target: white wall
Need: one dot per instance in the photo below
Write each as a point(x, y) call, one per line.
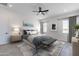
point(12, 19)
point(15, 19)
point(57, 19)
point(58, 33)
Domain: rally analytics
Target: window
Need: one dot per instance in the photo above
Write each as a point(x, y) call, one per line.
point(44, 27)
point(65, 26)
point(77, 19)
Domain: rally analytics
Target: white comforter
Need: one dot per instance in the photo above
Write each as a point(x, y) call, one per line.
point(30, 37)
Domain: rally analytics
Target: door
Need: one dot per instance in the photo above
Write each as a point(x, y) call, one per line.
point(4, 30)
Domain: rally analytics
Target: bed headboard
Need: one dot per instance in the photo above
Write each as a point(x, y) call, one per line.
point(29, 32)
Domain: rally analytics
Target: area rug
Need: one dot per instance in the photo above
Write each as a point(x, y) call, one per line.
point(24, 49)
point(54, 50)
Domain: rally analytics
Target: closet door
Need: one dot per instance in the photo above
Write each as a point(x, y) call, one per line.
point(4, 30)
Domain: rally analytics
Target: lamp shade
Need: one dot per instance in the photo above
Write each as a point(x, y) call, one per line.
point(15, 30)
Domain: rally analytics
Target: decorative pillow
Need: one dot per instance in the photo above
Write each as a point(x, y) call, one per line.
point(24, 32)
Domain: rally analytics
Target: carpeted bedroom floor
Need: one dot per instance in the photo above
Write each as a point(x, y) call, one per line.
point(59, 48)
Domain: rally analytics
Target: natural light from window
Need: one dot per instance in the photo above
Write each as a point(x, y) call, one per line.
point(44, 27)
point(65, 26)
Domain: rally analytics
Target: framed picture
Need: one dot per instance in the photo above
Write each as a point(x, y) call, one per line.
point(28, 24)
point(54, 27)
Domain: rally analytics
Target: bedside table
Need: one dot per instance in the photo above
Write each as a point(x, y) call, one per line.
point(75, 46)
point(15, 38)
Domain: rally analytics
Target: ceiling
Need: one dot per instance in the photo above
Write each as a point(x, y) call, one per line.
point(25, 9)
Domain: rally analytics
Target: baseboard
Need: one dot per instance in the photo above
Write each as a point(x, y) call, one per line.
point(5, 42)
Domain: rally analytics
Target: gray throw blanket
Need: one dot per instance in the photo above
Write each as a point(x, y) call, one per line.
point(43, 40)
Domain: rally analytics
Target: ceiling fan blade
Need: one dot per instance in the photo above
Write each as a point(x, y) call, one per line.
point(40, 9)
point(45, 10)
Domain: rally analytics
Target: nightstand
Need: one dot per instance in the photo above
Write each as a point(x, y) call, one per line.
point(15, 38)
point(15, 34)
point(75, 46)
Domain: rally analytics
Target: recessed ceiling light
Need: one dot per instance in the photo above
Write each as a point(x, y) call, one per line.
point(65, 10)
point(10, 5)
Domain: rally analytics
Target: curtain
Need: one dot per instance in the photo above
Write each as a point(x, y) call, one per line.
point(72, 22)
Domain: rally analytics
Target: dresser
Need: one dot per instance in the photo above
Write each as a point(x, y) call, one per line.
point(75, 46)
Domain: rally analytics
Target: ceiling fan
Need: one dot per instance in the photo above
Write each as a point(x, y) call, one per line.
point(41, 11)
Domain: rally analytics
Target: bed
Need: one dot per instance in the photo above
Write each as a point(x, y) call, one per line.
point(39, 41)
